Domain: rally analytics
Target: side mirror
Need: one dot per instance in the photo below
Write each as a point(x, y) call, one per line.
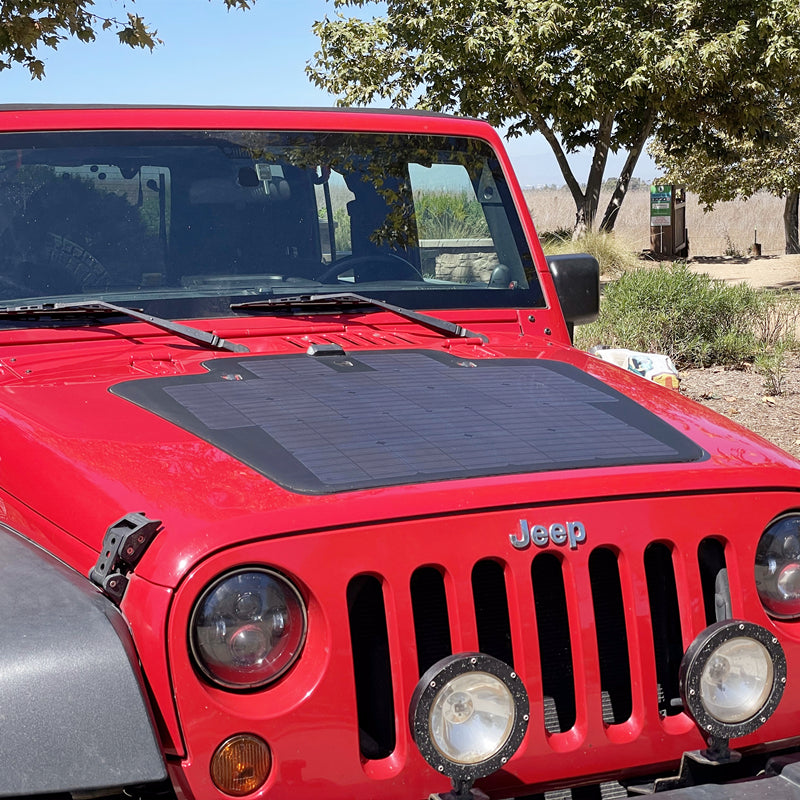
point(577, 280)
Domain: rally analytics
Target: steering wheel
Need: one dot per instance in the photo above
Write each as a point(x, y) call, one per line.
point(378, 267)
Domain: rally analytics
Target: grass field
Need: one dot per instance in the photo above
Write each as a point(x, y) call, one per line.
point(727, 230)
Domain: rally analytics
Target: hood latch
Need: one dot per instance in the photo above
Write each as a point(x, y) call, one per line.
point(123, 546)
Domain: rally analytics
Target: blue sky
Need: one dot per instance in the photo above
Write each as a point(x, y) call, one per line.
point(212, 56)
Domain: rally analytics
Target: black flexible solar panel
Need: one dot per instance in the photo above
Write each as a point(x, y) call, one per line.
point(336, 422)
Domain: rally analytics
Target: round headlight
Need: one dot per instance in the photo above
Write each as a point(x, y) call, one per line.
point(468, 715)
point(247, 628)
point(732, 678)
point(777, 568)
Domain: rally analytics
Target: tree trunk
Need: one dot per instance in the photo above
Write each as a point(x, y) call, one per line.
point(586, 215)
point(581, 224)
point(561, 157)
point(585, 202)
point(615, 203)
point(790, 221)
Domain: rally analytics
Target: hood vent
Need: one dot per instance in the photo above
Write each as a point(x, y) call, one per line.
point(357, 339)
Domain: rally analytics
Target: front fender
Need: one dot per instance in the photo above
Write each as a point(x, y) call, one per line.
point(73, 711)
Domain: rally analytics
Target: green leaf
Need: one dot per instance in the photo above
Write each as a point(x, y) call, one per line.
point(26, 26)
point(560, 66)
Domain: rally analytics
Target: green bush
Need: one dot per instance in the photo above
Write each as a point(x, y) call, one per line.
point(771, 365)
point(439, 215)
point(449, 215)
point(692, 318)
point(341, 221)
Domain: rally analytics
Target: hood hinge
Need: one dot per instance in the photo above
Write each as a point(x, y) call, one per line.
point(123, 546)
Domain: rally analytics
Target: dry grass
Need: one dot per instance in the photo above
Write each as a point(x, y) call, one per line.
point(727, 230)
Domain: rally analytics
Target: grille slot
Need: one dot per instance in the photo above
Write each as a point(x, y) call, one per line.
point(491, 611)
point(371, 666)
point(612, 638)
point(714, 580)
point(431, 621)
point(555, 650)
point(666, 623)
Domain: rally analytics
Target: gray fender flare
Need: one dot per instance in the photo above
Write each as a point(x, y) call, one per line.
point(73, 710)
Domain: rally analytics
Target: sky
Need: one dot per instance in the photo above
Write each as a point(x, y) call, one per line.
point(212, 56)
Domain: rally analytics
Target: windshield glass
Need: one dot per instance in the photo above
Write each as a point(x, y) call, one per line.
point(179, 220)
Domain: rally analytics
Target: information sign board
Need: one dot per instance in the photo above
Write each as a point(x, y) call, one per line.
point(660, 204)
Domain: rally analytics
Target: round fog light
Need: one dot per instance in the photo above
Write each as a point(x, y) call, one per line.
point(732, 678)
point(736, 680)
point(241, 765)
point(468, 715)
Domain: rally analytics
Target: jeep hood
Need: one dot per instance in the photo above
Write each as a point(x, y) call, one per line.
point(247, 446)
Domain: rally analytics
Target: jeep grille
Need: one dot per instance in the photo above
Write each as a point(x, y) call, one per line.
point(501, 626)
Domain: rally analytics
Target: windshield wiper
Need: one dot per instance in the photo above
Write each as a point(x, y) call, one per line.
point(100, 306)
point(339, 299)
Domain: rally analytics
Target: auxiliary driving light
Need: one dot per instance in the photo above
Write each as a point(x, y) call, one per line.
point(732, 678)
point(468, 715)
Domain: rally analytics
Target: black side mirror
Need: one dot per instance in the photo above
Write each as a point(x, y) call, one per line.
point(577, 280)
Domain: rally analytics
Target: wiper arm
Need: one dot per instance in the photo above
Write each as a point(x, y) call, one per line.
point(99, 306)
point(339, 299)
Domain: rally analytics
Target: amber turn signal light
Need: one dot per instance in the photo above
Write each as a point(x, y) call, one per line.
point(241, 765)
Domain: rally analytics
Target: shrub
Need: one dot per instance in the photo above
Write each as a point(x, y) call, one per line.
point(439, 215)
point(692, 318)
point(771, 365)
point(614, 255)
point(449, 215)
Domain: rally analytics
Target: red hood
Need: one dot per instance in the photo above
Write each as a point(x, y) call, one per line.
point(66, 434)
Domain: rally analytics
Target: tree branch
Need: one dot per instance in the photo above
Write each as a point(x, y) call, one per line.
point(551, 139)
point(618, 195)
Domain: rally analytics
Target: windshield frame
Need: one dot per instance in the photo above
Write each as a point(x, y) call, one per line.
point(213, 301)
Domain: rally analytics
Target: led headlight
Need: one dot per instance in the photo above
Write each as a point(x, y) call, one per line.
point(468, 715)
point(247, 628)
point(777, 567)
point(732, 678)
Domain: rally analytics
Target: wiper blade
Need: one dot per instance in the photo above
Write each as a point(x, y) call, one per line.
point(101, 306)
point(339, 299)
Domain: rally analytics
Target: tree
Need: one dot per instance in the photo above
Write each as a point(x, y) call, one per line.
point(720, 166)
point(583, 73)
point(28, 25)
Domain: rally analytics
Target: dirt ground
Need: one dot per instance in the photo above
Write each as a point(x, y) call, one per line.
point(741, 394)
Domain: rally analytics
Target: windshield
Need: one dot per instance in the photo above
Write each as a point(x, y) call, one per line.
point(186, 221)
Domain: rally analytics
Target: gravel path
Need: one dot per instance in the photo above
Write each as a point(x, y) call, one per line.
point(741, 395)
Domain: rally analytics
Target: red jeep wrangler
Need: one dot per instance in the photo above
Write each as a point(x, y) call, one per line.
point(304, 491)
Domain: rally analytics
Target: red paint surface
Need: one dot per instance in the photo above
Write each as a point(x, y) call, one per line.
point(74, 458)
